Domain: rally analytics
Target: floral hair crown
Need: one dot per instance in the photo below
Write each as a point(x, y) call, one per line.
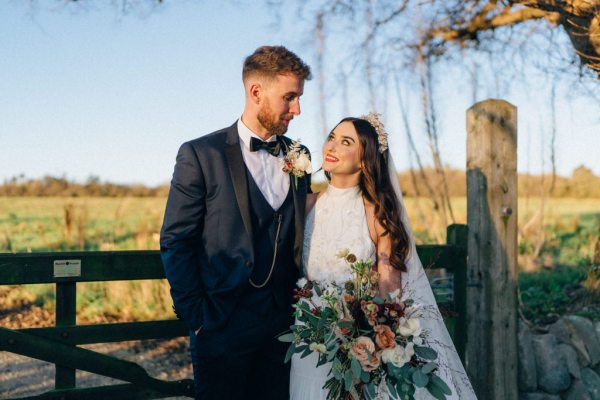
point(382, 135)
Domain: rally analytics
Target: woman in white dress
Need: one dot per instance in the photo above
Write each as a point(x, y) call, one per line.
point(362, 210)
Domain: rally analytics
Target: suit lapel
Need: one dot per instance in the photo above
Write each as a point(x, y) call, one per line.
point(237, 171)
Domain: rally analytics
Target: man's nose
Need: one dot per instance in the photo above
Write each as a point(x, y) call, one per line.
point(295, 107)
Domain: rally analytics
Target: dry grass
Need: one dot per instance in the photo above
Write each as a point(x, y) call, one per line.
point(63, 224)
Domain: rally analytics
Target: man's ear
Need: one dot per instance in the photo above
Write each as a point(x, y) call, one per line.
point(256, 92)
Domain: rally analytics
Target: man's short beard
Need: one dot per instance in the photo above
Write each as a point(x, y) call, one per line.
point(265, 118)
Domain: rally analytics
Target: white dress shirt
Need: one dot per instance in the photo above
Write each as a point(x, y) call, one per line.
point(265, 169)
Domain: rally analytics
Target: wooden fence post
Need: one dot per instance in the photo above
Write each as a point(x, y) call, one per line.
point(491, 354)
point(66, 293)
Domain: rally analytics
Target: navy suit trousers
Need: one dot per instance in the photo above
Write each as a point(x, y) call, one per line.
point(244, 360)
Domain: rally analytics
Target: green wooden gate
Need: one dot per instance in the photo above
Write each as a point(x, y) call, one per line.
point(59, 344)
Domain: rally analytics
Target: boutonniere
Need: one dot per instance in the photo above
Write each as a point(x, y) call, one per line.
point(296, 162)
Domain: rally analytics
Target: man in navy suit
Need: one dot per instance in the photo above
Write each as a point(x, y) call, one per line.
point(232, 235)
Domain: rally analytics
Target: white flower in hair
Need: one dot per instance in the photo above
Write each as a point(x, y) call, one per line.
point(382, 135)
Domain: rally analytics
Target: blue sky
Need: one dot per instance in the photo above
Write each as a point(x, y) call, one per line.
point(91, 93)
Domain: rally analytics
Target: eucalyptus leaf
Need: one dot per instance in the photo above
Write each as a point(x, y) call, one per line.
point(365, 377)
point(313, 320)
point(437, 381)
point(426, 353)
point(321, 323)
point(322, 360)
point(301, 348)
point(290, 352)
point(436, 391)
point(305, 333)
point(348, 380)
point(430, 366)
point(337, 374)
point(404, 390)
point(332, 353)
point(355, 367)
point(330, 338)
point(287, 337)
point(406, 371)
point(304, 307)
point(392, 389)
point(419, 378)
point(378, 300)
point(371, 391)
point(336, 368)
point(333, 346)
point(306, 352)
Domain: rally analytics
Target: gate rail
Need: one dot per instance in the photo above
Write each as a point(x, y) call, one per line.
point(59, 344)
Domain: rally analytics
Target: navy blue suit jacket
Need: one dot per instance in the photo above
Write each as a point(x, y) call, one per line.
point(206, 237)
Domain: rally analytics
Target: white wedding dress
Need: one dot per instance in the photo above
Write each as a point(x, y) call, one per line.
point(338, 221)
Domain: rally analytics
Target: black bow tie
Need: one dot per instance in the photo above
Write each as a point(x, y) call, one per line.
point(271, 147)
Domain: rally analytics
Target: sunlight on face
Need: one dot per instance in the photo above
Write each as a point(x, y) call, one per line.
point(280, 102)
point(342, 151)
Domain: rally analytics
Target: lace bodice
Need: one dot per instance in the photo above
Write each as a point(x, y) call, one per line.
point(337, 221)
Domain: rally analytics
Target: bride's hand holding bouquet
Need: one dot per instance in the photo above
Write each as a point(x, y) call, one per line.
point(375, 344)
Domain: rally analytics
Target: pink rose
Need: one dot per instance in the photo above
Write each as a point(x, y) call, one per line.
point(384, 337)
point(364, 351)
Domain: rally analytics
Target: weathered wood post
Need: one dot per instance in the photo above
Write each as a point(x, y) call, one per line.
point(66, 293)
point(491, 354)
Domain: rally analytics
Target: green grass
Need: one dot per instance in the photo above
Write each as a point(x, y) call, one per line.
point(547, 294)
point(41, 224)
point(561, 287)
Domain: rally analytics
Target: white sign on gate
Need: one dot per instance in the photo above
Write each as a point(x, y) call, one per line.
point(67, 268)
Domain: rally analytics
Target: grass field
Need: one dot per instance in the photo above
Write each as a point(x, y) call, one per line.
point(555, 260)
point(60, 224)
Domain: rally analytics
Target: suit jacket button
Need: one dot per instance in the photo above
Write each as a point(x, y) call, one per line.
point(249, 264)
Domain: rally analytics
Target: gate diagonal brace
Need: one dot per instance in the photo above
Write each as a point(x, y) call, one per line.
point(78, 358)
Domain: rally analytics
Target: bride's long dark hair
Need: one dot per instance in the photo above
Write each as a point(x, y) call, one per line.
point(377, 188)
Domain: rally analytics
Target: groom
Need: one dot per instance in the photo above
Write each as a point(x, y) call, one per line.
point(232, 235)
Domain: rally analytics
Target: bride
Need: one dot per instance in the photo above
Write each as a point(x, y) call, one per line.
point(361, 209)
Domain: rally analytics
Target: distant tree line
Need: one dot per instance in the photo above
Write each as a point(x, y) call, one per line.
point(49, 186)
point(581, 184)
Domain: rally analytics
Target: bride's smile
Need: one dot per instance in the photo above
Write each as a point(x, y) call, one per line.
point(342, 155)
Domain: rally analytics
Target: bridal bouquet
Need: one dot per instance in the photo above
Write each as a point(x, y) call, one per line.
point(374, 345)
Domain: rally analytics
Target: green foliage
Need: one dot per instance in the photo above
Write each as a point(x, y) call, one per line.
point(572, 245)
point(547, 294)
point(566, 255)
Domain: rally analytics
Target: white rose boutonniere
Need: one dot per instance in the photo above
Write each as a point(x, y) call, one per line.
point(296, 162)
